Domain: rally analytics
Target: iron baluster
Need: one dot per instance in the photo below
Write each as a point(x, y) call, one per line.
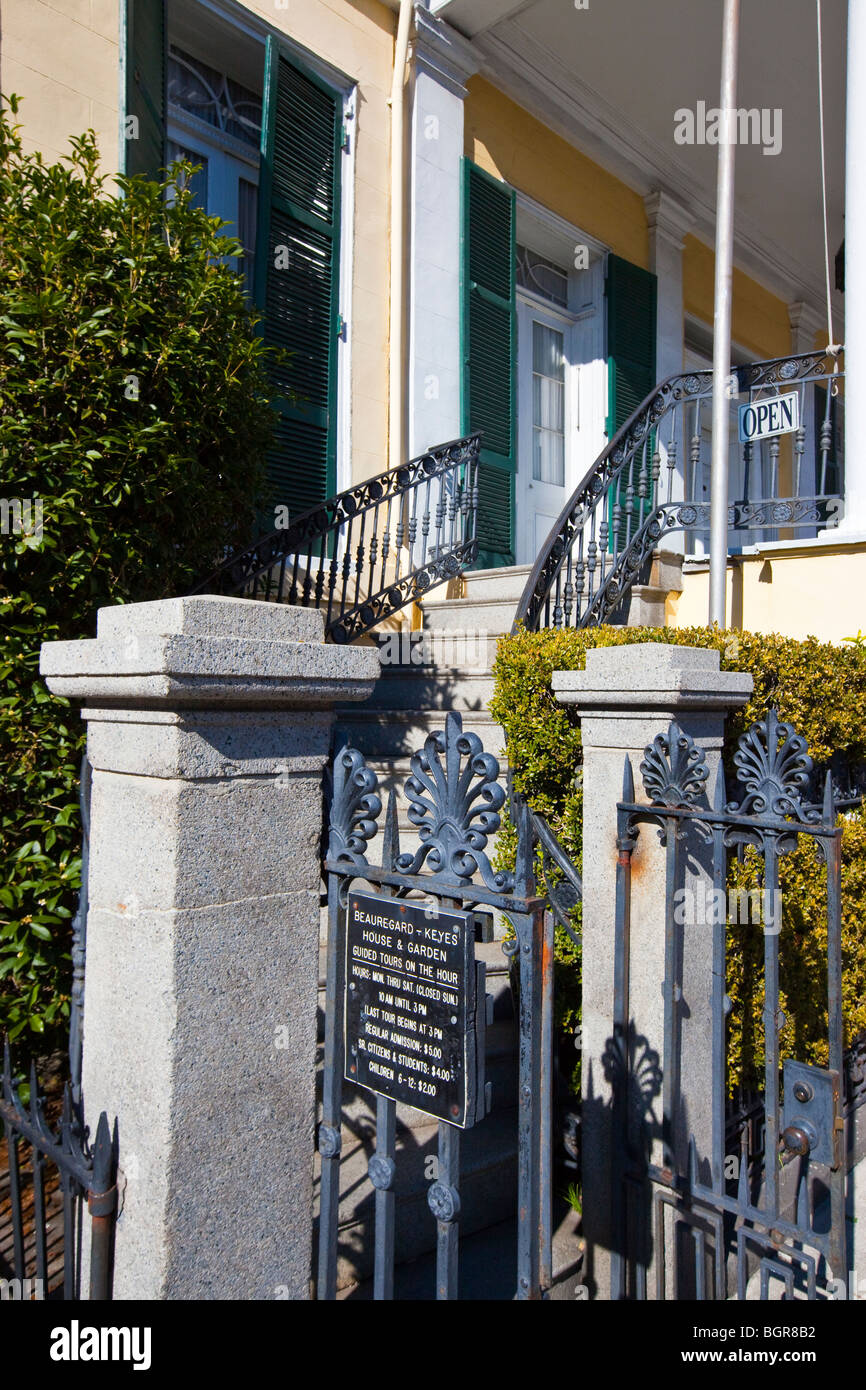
point(386, 544)
point(832, 853)
point(719, 1003)
point(102, 1205)
point(529, 932)
point(622, 948)
point(382, 1166)
point(281, 580)
point(425, 521)
point(293, 588)
point(14, 1159)
point(359, 560)
point(37, 1165)
point(800, 443)
point(569, 591)
point(346, 570)
point(330, 1130)
point(825, 440)
point(557, 604)
point(772, 1025)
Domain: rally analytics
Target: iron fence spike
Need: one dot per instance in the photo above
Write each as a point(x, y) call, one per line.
point(627, 780)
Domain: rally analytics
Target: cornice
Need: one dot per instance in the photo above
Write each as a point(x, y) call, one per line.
point(440, 51)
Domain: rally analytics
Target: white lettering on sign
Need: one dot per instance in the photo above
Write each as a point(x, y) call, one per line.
point(764, 418)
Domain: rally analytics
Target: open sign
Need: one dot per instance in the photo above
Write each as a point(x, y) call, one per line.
point(777, 415)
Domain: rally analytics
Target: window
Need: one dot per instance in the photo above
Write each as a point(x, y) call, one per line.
point(215, 122)
point(548, 404)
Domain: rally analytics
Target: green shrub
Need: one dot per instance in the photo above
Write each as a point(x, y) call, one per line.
point(134, 404)
point(820, 689)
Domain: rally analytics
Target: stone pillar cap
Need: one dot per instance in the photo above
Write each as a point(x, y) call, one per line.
point(209, 651)
point(652, 675)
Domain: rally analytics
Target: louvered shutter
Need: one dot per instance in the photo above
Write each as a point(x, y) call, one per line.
point(297, 273)
point(145, 58)
point(489, 341)
point(631, 352)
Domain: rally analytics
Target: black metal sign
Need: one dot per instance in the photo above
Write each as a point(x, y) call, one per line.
point(410, 1005)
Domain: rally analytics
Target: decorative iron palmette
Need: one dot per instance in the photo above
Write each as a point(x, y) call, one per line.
point(454, 801)
point(674, 769)
point(774, 767)
point(355, 808)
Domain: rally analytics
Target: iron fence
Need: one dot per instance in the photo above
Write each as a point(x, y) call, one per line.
point(773, 1221)
point(53, 1167)
point(455, 798)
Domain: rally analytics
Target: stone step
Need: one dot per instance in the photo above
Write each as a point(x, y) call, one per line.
point(488, 1265)
point(493, 617)
point(488, 1190)
point(506, 582)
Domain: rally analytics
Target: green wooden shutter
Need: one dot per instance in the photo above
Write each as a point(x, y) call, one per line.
point(297, 274)
point(631, 347)
point(145, 49)
point(489, 328)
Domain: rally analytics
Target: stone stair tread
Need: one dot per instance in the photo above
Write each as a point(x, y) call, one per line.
point(488, 1191)
point(487, 1265)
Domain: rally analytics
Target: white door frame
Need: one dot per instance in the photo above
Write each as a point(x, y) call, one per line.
point(537, 505)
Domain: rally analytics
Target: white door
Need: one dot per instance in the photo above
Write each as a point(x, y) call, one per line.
point(545, 414)
point(560, 406)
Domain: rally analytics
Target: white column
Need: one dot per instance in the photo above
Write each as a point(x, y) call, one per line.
point(668, 222)
point(854, 519)
point(442, 61)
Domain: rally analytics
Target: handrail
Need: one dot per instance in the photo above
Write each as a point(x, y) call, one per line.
point(607, 530)
point(414, 528)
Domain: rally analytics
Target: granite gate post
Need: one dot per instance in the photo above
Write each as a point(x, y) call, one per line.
point(625, 697)
point(208, 729)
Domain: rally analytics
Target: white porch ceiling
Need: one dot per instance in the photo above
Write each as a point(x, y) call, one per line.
point(611, 77)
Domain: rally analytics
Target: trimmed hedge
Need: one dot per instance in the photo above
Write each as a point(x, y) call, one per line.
point(816, 686)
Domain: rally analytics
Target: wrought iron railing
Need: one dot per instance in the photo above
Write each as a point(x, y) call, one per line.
point(779, 1226)
point(51, 1171)
point(652, 479)
point(370, 551)
point(49, 1168)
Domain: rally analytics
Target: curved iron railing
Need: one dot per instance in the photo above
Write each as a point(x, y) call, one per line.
point(369, 551)
point(606, 533)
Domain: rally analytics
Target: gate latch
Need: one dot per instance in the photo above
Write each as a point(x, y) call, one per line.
point(811, 1114)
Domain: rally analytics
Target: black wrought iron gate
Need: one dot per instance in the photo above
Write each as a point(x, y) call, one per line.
point(728, 1223)
point(373, 991)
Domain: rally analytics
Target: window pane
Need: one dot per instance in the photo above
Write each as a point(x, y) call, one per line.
point(247, 207)
point(197, 182)
point(548, 405)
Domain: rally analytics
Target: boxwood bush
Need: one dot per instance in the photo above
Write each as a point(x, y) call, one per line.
point(134, 407)
point(816, 686)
